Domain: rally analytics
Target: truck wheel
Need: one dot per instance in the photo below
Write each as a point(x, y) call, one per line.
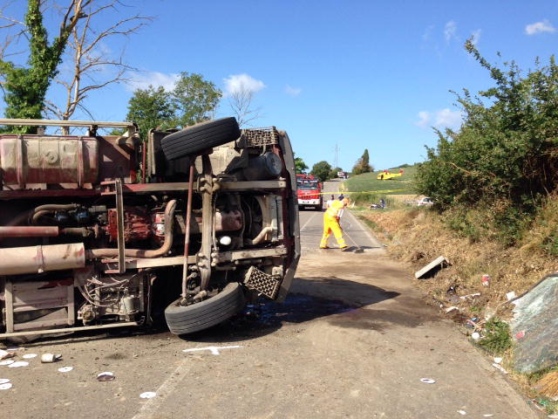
point(199, 137)
point(188, 319)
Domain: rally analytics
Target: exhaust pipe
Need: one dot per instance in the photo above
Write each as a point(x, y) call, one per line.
point(39, 259)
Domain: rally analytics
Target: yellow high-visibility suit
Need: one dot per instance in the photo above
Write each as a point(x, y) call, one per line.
point(331, 224)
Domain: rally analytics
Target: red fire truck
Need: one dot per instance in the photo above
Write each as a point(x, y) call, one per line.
point(309, 192)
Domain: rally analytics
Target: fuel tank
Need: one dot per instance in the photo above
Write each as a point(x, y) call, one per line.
point(32, 159)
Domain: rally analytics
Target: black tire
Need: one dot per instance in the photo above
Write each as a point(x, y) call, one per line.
point(193, 318)
point(199, 137)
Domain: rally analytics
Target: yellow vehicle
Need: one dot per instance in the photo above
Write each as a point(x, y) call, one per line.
point(386, 175)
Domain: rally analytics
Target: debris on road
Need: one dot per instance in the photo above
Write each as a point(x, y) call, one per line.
point(5, 384)
point(427, 380)
point(6, 354)
point(106, 376)
point(18, 364)
point(148, 395)
point(48, 358)
point(499, 367)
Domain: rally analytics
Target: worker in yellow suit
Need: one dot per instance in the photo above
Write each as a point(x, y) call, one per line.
point(332, 215)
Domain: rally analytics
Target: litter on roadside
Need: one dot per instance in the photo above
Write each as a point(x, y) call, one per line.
point(432, 268)
point(6, 354)
point(48, 358)
point(427, 380)
point(511, 295)
point(470, 296)
point(499, 367)
point(5, 385)
point(106, 376)
point(148, 395)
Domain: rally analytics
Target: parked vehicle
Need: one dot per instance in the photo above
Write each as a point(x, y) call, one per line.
point(101, 231)
point(425, 201)
point(309, 192)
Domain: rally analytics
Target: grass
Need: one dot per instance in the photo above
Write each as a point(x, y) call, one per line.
point(366, 188)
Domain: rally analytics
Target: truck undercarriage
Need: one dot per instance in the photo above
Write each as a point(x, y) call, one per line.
point(101, 231)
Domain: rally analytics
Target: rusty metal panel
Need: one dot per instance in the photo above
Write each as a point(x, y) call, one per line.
point(49, 160)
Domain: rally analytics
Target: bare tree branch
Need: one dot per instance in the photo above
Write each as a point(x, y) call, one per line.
point(241, 101)
point(92, 67)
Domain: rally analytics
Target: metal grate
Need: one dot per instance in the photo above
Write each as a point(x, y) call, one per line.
point(260, 136)
point(266, 284)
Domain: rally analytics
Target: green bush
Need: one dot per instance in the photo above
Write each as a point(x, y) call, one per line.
point(496, 337)
point(506, 151)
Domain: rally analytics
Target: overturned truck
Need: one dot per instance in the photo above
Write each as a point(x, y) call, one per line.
point(102, 231)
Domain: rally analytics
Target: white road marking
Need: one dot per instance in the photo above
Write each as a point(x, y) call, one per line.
point(153, 405)
point(214, 349)
point(308, 221)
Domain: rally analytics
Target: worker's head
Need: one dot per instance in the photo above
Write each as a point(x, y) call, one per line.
point(345, 201)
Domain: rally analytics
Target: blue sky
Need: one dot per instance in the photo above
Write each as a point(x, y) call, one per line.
point(339, 76)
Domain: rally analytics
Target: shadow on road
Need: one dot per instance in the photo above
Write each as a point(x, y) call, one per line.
point(309, 299)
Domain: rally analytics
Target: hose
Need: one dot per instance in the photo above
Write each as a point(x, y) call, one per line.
point(142, 253)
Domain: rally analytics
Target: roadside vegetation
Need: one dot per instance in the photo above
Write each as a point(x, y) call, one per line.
point(494, 184)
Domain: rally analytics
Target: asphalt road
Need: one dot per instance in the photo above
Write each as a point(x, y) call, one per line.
point(353, 340)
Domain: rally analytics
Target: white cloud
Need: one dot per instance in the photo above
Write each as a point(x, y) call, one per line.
point(292, 91)
point(242, 82)
point(539, 27)
point(475, 36)
point(446, 118)
point(424, 119)
point(443, 118)
point(450, 29)
point(145, 79)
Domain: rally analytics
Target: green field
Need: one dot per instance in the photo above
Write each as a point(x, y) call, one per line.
point(365, 188)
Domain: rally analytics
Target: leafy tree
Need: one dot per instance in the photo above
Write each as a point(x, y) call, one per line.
point(300, 166)
point(151, 108)
point(194, 98)
point(334, 171)
point(83, 31)
point(505, 156)
point(25, 88)
point(363, 164)
point(321, 170)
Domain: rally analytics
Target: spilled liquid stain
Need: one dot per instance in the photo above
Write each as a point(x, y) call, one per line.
point(298, 308)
